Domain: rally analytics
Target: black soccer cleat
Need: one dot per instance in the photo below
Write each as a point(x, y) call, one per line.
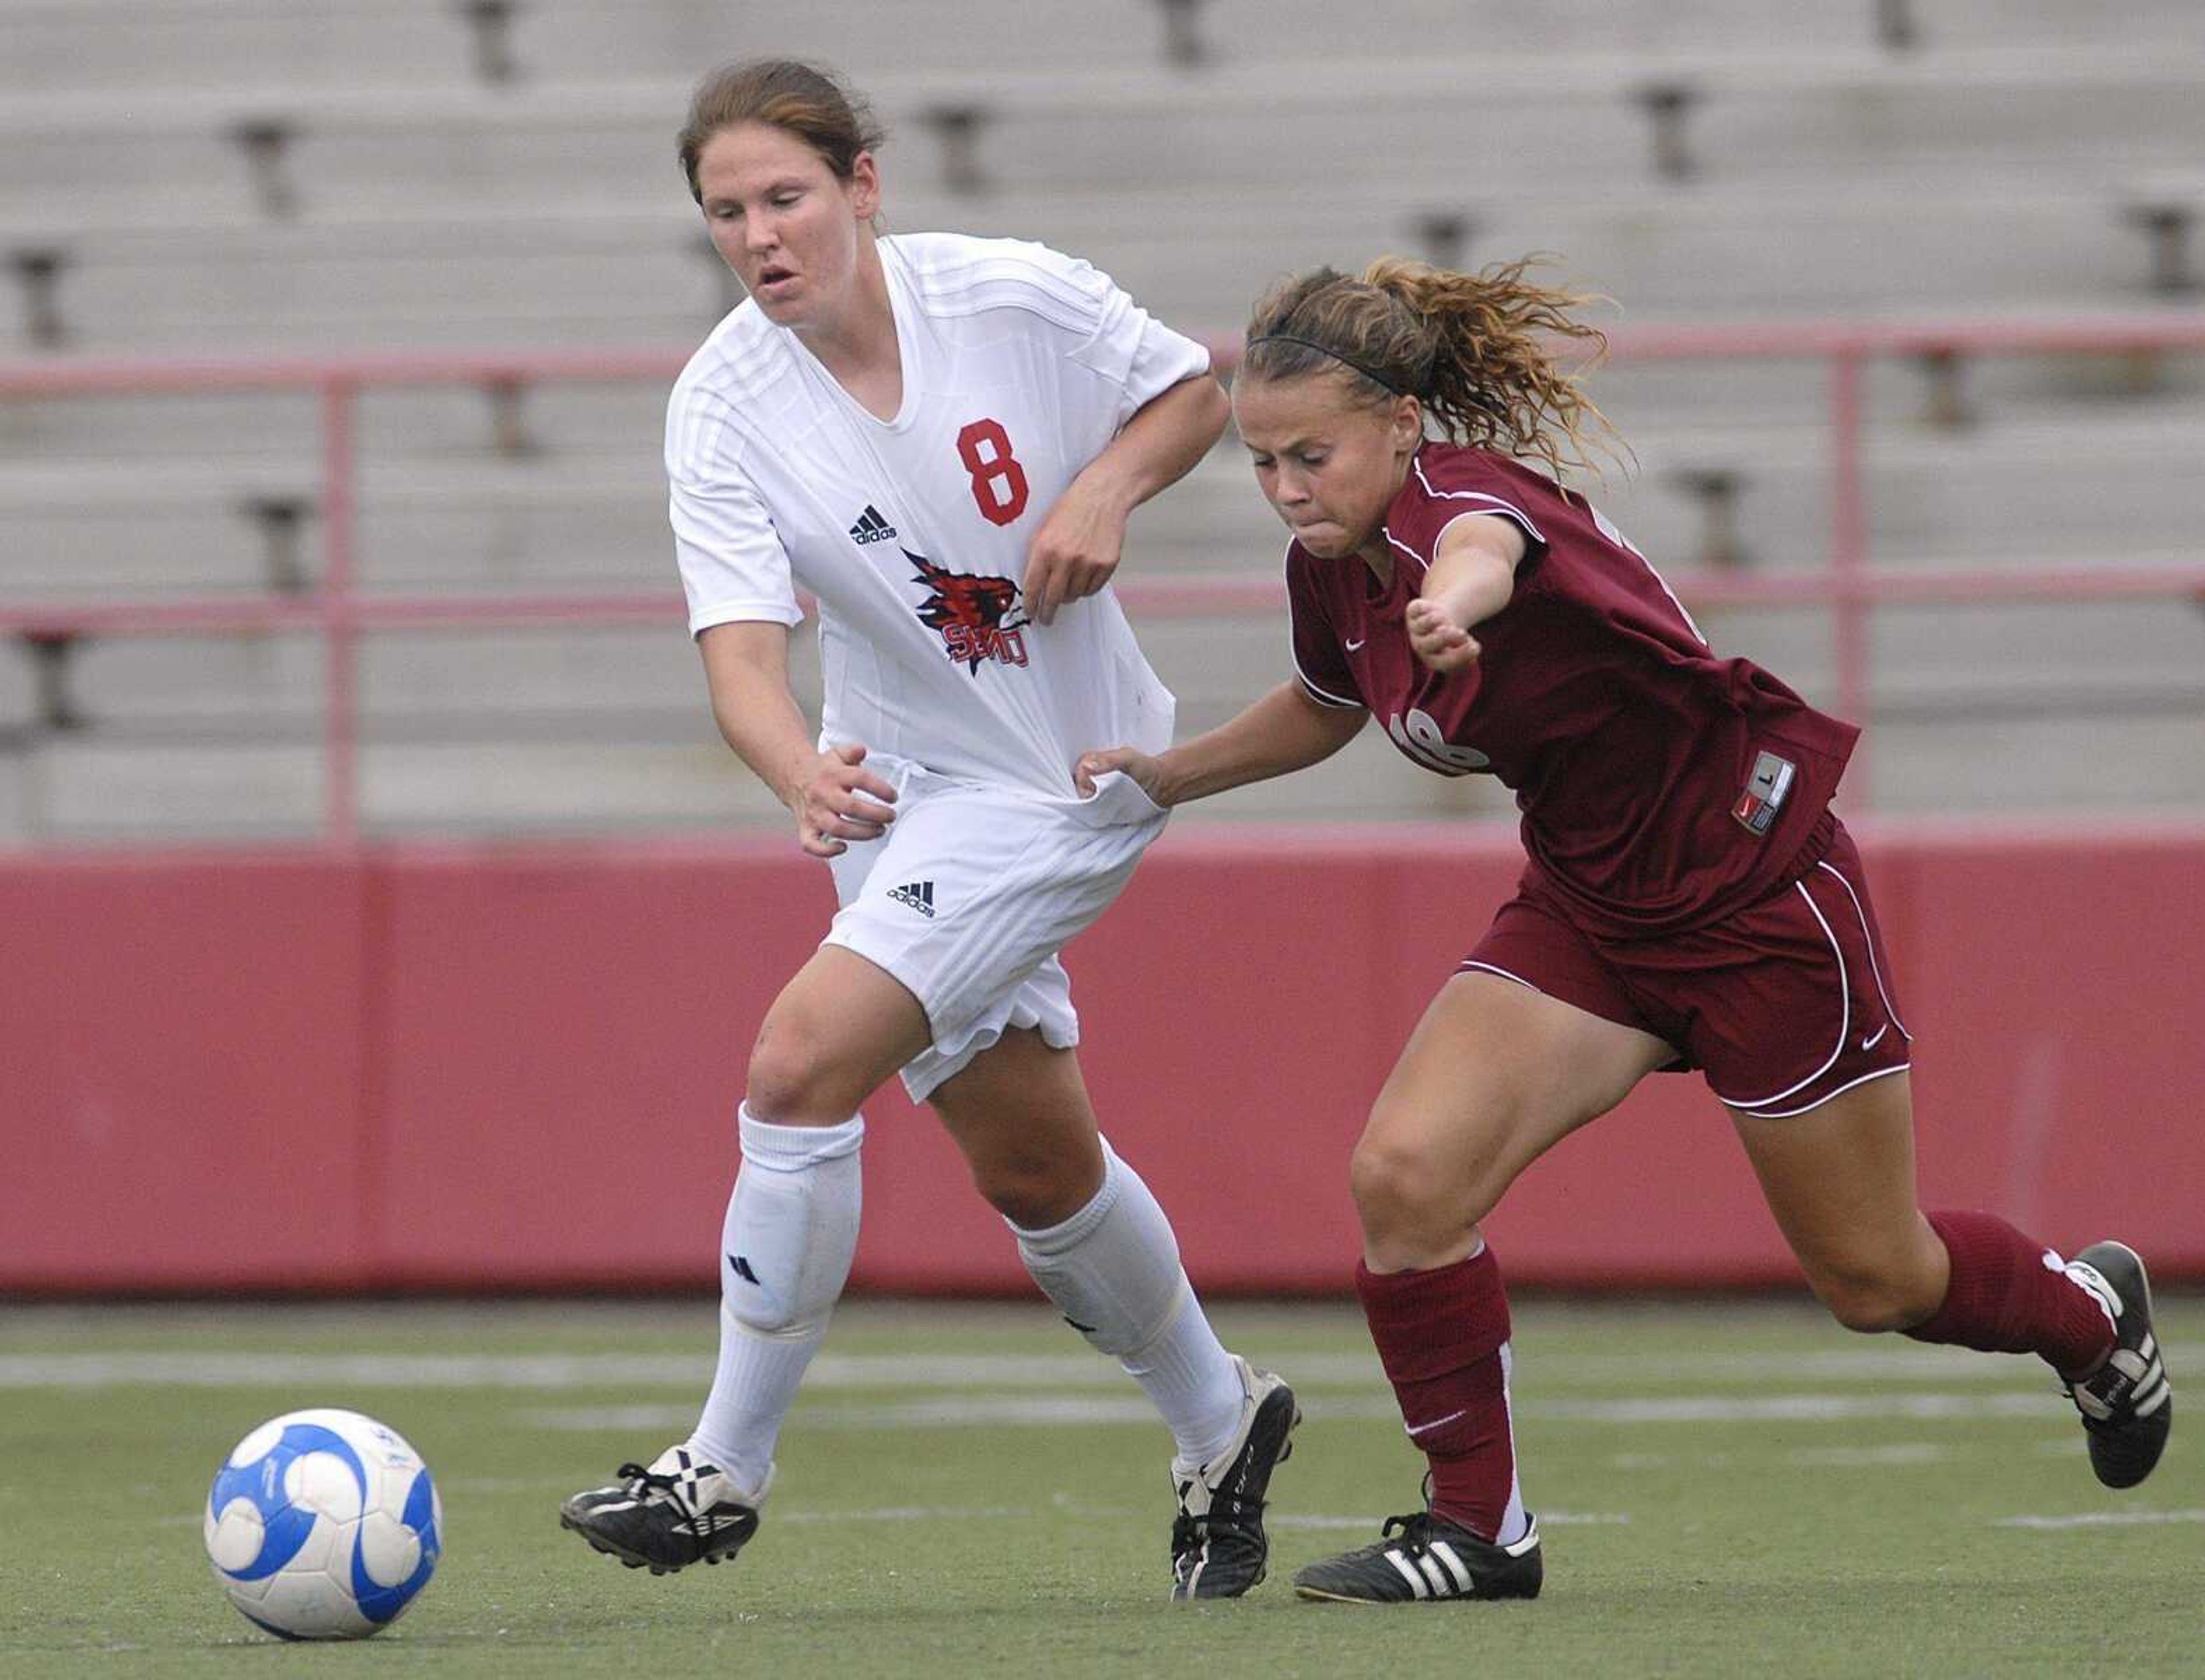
point(2127, 1404)
point(1218, 1545)
point(678, 1512)
point(1423, 1558)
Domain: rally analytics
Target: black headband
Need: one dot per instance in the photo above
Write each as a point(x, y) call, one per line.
point(1326, 350)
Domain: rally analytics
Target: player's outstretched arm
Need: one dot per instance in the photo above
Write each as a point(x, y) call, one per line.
point(1472, 576)
point(1283, 731)
point(833, 797)
point(1076, 550)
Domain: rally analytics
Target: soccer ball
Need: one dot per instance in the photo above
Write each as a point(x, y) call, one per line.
point(322, 1524)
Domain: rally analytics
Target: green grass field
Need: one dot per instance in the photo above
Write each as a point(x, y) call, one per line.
point(1724, 1489)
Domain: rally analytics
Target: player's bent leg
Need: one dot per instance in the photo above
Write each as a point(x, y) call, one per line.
point(1095, 1241)
point(1220, 1548)
point(1496, 1074)
point(836, 1031)
point(1019, 1114)
point(839, 1029)
point(1840, 1179)
point(786, 1246)
point(835, 1034)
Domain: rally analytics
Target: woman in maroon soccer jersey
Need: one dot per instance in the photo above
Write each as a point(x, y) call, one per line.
point(1690, 901)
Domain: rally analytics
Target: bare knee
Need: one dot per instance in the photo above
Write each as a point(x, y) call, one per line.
point(798, 1075)
point(1873, 1296)
point(839, 1029)
point(1019, 1115)
point(1035, 1189)
point(1417, 1210)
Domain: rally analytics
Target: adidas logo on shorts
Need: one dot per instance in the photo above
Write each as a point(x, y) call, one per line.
point(918, 895)
point(871, 527)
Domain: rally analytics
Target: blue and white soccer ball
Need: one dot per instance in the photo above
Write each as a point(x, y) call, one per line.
point(323, 1524)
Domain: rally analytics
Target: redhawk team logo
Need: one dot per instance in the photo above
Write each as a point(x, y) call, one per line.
point(979, 617)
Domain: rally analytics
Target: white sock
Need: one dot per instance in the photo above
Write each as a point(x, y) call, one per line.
point(1112, 1271)
point(785, 1251)
point(1515, 1521)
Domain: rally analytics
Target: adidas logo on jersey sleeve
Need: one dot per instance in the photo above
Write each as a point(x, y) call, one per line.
point(871, 527)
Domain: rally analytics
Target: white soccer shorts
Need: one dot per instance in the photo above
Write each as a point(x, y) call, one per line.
point(971, 894)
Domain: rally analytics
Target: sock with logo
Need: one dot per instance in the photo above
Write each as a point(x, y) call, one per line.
point(2010, 1294)
point(785, 1251)
point(1113, 1270)
point(1443, 1336)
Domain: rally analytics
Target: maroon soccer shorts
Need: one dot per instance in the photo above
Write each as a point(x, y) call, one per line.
point(1784, 1004)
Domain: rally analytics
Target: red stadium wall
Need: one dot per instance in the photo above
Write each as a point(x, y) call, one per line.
point(466, 1068)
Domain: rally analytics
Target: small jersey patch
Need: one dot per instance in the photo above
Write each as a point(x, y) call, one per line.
point(1765, 791)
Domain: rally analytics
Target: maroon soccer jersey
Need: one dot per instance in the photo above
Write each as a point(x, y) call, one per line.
point(1660, 786)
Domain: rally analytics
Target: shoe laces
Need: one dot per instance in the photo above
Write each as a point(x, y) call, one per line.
point(1228, 1508)
point(1415, 1528)
point(641, 1479)
point(1187, 1533)
point(1228, 1515)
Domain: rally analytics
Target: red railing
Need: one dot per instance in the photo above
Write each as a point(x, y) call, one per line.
point(1845, 581)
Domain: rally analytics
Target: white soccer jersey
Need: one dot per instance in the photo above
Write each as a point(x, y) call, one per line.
point(1018, 366)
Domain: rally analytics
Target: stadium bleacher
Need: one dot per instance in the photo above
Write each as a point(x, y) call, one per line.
point(246, 177)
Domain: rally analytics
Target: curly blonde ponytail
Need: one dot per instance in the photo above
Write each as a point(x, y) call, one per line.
point(1469, 346)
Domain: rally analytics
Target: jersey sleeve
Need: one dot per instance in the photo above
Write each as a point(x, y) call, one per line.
point(1458, 485)
point(734, 566)
point(1319, 663)
point(1123, 344)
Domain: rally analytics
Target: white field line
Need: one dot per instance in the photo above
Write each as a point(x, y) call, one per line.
point(352, 1370)
point(557, 1371)
point(2102, 1519)
point(1798, 1408)
point(1037, 1387)
point(1904, 1363)
point(1907, 1453)
point(1055, 1410)
point(903, 1514)
point(1863, 1458)
point(971, 1411)
point(200, 1369)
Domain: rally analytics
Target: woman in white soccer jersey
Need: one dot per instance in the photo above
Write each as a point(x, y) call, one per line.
point(941, 439)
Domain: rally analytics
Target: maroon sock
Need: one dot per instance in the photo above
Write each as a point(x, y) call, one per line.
point(2008, 1295)
point(1442, 1336)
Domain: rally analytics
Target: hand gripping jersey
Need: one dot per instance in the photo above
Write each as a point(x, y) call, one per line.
point(1018, 366)
point(1660, 787)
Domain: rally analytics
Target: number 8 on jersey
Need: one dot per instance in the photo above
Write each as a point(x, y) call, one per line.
point(998, 483)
